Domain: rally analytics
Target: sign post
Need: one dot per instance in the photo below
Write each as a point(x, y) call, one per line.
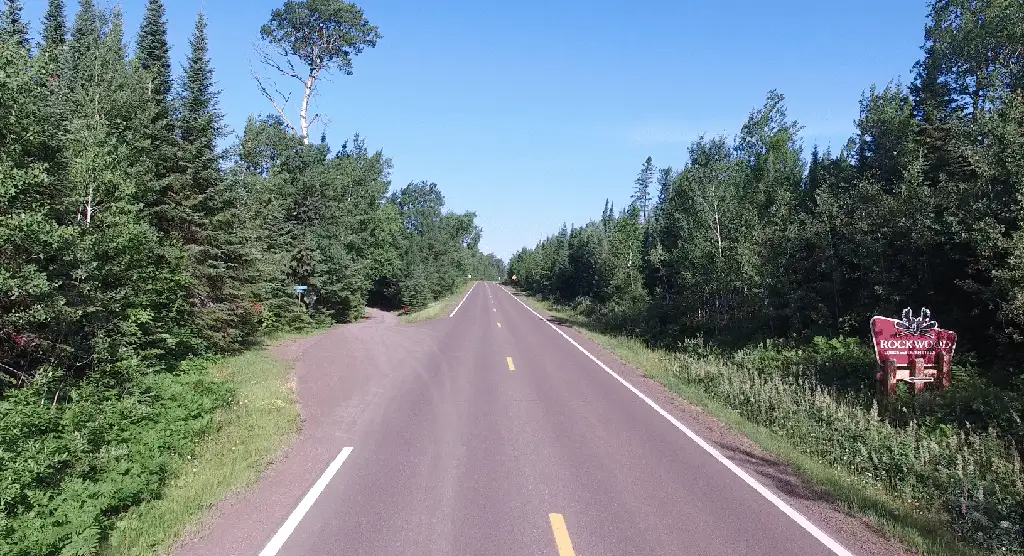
point(913, 350)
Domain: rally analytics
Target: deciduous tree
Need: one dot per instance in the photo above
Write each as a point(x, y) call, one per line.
point(308, 40)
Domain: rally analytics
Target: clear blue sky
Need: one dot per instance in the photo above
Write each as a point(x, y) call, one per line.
point(531, 113)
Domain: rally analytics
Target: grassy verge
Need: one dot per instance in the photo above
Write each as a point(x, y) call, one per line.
point(260, 420)
point(844, 461)
point(439, 308)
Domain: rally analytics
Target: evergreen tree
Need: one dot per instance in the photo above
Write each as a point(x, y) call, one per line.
point(55, 36)
point(200, 126)
point(13, 24)
point(664, 185)
point(642, 192)
point(84, 44)
point(152, 51)
point(55, 31)
point(167, 212)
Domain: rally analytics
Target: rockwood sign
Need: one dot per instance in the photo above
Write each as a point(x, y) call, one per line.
point(912, 349)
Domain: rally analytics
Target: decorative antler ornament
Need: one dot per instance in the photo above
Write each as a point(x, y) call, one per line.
point(923, 325)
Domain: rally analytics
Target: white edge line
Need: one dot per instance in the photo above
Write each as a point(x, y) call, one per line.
point(761, 489)
point(463, 300)
point(277, 542)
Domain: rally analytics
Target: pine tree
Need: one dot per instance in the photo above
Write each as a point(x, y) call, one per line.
point(153, 53)
point(200, 127)
point(209, 222)
point(642, 193)
point(85, 39)
point(55, 36)
point(153, 56)
point(13, 24)
point(55, 27)
point(664, 185)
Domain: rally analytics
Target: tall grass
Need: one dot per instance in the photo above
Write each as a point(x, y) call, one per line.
point(922, 455)
point(971, 477)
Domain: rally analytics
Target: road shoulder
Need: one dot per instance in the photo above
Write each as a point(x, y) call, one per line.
point(340, 381)
point(858, 533)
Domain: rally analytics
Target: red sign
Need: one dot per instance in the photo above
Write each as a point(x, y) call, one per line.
point(902, 340)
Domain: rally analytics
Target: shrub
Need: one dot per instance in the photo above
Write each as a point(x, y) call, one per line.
point(68, 469)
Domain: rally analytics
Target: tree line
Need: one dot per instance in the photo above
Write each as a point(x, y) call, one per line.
point(760, 268)
point(132, 244)
point(750, 240)
point(129, 235)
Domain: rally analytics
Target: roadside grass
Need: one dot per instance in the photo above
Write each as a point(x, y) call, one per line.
point(278, 337)
point(806, 446)
point(261, 419)
point(437, 309)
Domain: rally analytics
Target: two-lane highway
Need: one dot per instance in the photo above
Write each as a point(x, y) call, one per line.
point(493, 432)
point(508, 438)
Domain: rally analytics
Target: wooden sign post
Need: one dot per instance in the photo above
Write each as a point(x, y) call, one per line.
point(914, 350)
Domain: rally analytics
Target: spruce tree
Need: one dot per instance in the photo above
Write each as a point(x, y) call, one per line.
point(13, 24)
point(664, 185)
point(212, 226)
point(153, 53)
point(642, 193)
point(55, 27)
point(154, 59)
point(85, 39)
point(199, 129)
point(55, 36)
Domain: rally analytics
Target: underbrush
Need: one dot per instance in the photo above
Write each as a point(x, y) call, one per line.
point(971, 477)
point(946, 461)
point(67, 470)
point(260, 419)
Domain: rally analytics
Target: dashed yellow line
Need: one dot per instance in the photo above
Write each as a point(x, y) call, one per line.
point(511, 367)
point(562, 540)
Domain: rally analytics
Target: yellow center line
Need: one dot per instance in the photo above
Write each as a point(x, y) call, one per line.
point(499, 325)
point(511, 367)
point(562, 540)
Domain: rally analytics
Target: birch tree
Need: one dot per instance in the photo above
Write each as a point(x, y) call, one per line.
point(305, 41)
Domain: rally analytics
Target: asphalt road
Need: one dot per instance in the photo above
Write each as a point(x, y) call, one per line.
point(490, 433)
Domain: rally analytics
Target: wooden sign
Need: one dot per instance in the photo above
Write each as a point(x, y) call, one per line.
point(913, 349)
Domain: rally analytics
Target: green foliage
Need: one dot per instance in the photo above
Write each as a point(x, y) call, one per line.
point(439, 250)
point(12, 23)
point(132, 249)
point(749, 245)
point(322, 34)
point(152, 50)
point(67, 469)
point(55, 32)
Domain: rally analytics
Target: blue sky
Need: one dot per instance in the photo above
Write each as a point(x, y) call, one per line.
point(531, 113)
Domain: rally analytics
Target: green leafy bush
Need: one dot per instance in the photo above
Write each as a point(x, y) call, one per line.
point(68, 469)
